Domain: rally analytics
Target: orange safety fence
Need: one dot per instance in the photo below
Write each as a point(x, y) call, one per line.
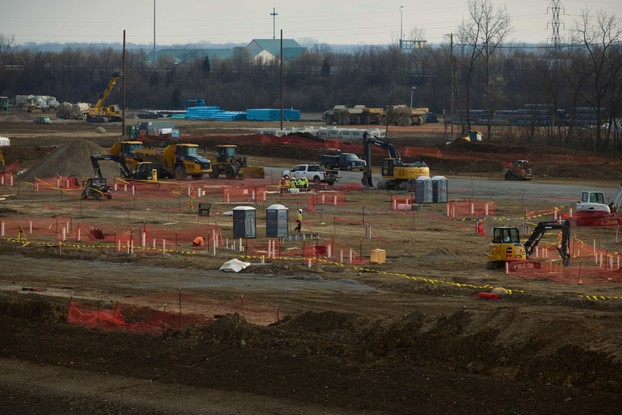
point(58, 226)
point(244, 194)
point(6, 179)
point(145, 320)
point(56, 183)
point(399, 202)
point(469, 208)
point(312, 249)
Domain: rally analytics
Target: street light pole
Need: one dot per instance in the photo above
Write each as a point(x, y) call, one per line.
point(412, 91)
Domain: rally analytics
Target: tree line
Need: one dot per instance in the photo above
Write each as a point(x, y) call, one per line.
point(474, 69)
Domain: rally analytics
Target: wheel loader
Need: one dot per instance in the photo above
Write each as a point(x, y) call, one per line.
point(232, 166)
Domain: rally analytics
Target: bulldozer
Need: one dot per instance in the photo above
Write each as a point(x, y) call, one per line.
point(232, 166)
point(507, 247)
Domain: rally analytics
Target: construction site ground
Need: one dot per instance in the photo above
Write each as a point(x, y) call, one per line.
point(292, 336)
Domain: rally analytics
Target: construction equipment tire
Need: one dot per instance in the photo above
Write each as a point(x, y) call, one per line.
point(231, 172)
point(215, 172)
point(180, 172)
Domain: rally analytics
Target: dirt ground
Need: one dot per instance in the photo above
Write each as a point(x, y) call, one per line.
point(411, 335)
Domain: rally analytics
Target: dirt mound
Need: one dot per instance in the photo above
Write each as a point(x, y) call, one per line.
point(73, 158)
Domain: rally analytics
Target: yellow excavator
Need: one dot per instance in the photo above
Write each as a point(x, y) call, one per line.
point(506, 245)
point(395, 172)
point(98, 113)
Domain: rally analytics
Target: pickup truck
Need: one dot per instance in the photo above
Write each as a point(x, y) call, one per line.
point(343, 161)
point(313, 172)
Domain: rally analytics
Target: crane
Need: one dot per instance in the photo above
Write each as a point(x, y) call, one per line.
point(99, 113)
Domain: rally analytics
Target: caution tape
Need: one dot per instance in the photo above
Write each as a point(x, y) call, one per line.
point(427, 280)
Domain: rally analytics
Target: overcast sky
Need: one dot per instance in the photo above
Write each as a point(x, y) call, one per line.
point(239, 21)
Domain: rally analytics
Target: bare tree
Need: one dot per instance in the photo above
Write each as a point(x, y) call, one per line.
point(7, 44)
point(600, 36)
point(480, 37)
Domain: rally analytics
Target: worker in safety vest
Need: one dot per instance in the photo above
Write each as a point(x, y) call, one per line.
point(198, 241)
point(302, 183)
point(299, 221)
point(292, 186)
point(284, 184)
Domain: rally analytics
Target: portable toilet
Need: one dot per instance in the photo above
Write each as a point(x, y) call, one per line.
point(423, 190)
point(244, 222)
point(439, 189)
point(277, 221)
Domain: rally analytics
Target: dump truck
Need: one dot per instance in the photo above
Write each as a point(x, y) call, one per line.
point(127, 150)
point(176, 161)
point(359, 114)
point(228, 162)
point(403, 115)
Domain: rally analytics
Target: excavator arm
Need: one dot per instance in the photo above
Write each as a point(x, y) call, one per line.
point(541, 229)
point(125, 171)
point(368, 143)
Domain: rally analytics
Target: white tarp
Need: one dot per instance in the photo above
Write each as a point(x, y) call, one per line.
point(5, 142)
point(234, 265)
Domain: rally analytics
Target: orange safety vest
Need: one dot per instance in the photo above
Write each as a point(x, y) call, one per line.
point(199, 241)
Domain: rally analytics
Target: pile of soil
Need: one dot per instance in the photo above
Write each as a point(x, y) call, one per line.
point(71, 159)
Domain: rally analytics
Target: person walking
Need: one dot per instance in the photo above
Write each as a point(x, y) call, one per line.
point(299, 221)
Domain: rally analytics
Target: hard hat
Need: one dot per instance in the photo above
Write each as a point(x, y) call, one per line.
point(300, 210)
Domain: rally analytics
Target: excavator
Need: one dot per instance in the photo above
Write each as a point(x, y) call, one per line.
point(592, 209)
point(506, 245)
point(98, 113)
point(395, 172)
point(97, 187)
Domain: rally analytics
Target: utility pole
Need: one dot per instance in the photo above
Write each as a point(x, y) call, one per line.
point(451, 59)
point(154, 34)
point(401, 25)
point(274, 14)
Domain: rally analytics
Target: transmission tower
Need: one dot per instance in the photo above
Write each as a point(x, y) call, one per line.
point(555, 6)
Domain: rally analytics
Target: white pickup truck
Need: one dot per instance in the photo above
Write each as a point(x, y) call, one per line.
point(313, 172)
